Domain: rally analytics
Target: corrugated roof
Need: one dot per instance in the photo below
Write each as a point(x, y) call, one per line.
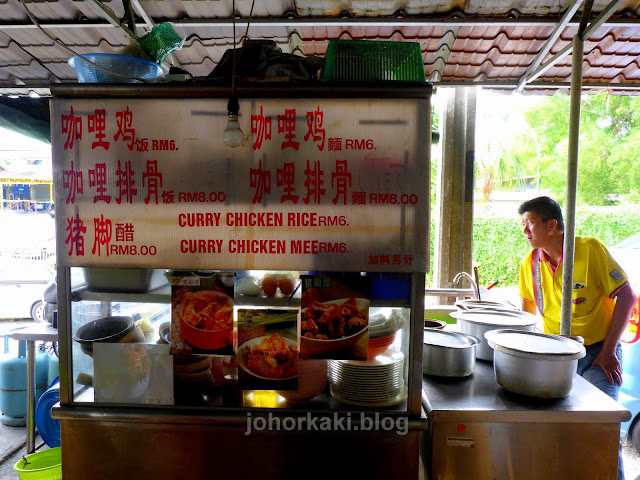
point(488, 43)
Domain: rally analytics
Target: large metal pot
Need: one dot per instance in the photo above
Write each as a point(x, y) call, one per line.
point(448, 354)
point(478, 322)
point(535, 364)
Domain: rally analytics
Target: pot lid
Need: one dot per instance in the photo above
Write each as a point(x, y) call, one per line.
point(500, 318)
point(443, 338)
point(471, 304)
point(534, 345)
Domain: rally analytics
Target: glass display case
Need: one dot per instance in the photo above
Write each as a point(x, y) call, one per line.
point(217, 378)
point(177, 343)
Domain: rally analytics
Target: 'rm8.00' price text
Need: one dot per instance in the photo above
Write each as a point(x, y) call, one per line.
point(143, 250)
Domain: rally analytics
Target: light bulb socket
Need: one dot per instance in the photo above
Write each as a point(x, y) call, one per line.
point(233, 107)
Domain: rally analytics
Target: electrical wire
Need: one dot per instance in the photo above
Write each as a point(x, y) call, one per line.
point(59, 43)
point(246, 33)
point(233, 63)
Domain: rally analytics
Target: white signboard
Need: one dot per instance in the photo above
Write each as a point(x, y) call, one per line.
point(320, 184)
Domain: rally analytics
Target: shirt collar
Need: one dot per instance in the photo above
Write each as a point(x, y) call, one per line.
point(545, 258)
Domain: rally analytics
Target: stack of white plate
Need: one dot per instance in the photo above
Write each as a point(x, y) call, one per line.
point(378, 382)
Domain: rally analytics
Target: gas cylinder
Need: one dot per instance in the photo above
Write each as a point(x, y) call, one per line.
point(13, 382)
point(54, 368)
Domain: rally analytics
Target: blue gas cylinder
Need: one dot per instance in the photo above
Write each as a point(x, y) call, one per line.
point(54, 368)
point(13, 382)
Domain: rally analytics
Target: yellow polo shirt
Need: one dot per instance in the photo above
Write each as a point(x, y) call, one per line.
point(597, 279)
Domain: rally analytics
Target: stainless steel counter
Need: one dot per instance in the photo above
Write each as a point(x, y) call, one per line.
point(479, 430)
point(480, 398)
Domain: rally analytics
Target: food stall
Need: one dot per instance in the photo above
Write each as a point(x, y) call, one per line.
point(161, 224)
point(158, 221)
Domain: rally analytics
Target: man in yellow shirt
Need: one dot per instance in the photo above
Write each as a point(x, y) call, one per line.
point(602, 298)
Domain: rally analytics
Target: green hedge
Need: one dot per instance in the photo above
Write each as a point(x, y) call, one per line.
point(499, 244)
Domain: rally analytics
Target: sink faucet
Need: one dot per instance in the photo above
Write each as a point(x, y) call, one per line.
point(460, 275)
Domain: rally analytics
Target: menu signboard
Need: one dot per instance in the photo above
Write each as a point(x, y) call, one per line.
point(320, 184)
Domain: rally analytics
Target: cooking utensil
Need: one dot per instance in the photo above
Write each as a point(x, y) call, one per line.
point(107, 329)
point(448, 354)
point(475, 273)
point(433, 323)
point(472, 304)
point(533, 363)
point(478, 322)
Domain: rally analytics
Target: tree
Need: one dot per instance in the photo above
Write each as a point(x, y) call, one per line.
point(607, 157)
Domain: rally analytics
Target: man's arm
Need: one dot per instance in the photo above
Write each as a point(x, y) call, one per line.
point(528, 306)
point(607, 359)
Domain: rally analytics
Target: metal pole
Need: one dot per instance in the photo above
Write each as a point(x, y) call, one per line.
point(31, 393)
point(572, 181)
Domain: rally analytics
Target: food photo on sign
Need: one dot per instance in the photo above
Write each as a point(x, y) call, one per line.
point(268, 349)
point(334, 316)
point(202, 313)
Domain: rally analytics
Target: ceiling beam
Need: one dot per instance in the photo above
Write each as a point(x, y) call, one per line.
point(100, 9)
point(550, 42)
point(43, 89)
point(593, 26)
point(332, 22)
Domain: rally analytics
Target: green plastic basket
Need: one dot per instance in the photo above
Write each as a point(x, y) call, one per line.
point(367, 60)
point(45, 465)
point(160, 42)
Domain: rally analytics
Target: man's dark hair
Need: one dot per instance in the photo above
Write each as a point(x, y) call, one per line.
point(546, 207)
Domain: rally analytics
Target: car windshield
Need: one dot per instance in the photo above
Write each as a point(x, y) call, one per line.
point(631, 242)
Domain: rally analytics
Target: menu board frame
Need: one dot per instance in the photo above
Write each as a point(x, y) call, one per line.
point(386, 233)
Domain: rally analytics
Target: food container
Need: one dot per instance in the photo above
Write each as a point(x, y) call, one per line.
point(434, 323)
point(472, 304)
point(535, 364)
point(448, 354)
point(216, 337)
point(478, 322)
point(107, 330)
point(134, 280)
point(312, 380)
point(44, 465)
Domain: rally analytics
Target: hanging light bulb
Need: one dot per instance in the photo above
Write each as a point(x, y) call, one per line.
point(233, 134)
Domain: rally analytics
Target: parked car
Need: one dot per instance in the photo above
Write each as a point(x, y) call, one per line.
point(22, 299)
point(627, 253)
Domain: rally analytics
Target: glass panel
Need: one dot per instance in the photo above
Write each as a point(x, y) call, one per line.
point(132, 365)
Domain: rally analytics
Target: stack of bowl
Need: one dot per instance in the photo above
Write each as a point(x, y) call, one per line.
point(382, 331)
point(312, 380)
point(192, 368)
point(380, 345)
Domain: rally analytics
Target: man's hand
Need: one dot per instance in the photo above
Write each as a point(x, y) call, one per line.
point(610, 364)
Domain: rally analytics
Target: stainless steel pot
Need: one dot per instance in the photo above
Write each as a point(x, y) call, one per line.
point(448, 354)
point(478, 322)
point(535, 364)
